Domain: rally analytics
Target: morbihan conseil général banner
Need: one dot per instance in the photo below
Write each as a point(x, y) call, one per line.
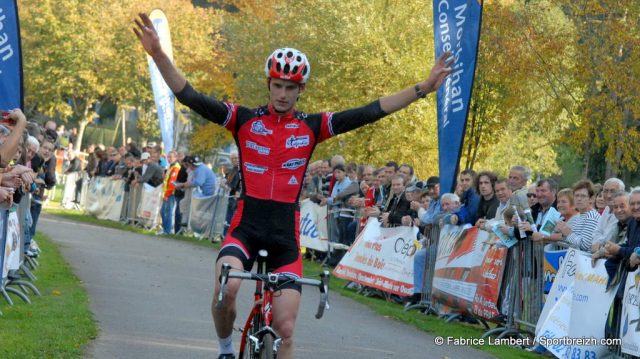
point(457, 30)
point(10, 57)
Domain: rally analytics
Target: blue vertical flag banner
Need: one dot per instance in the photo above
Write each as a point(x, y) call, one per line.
point(164, 98)
point(457, 30)
point(10, 57)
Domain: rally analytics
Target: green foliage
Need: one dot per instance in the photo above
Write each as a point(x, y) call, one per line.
point(549, 73)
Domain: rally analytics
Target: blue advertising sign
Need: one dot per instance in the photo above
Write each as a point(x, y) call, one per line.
point(10, 57)
point(457, 30)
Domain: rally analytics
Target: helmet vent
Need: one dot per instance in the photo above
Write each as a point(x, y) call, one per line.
point(286, 69)
point(289, 54)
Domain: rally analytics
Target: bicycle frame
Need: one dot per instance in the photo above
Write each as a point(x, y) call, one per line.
point(262, 306)
point(258, 325)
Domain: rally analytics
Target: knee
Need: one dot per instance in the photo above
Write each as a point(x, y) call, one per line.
point(285, 331)
point(230, 294)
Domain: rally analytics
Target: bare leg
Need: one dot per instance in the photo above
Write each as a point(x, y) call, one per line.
point(285, 312)
point(224, 317)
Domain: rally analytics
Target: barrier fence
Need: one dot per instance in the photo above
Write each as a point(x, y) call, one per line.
point(16, 268)
point(110, 199)
point(468, 274)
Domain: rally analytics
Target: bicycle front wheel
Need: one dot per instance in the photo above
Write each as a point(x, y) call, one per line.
point(266, 351)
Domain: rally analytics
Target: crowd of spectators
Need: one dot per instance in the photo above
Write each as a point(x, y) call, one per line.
point(600, 219)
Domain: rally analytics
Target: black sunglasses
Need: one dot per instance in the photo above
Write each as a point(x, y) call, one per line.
point(531, 195)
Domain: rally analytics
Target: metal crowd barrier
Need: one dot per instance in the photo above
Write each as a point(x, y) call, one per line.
point(13, 227)
point(432, 237)
point(522, 290)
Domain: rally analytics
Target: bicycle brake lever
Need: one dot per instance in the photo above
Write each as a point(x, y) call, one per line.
point(224, 277)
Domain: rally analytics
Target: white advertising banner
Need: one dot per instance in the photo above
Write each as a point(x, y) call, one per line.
point(381, 258)
point(564, 327)
point(630, 325)
point(14, 242)
point(150, 203)
point(313, 226)
point(202, 212)
point(104, 198)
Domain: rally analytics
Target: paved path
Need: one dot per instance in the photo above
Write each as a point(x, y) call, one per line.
point(151, 298)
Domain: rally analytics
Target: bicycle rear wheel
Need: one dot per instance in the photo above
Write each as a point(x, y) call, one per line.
point(266, 351)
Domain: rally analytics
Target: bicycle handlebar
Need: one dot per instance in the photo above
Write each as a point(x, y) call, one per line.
point(322, 284)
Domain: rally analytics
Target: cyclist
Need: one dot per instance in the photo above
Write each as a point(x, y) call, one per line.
point(274, 143)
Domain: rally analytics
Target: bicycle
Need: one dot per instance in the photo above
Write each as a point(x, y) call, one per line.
point(259, 340)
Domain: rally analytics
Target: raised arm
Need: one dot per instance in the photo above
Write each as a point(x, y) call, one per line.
point(10, 146)
point(404, 98)
point(147, 35)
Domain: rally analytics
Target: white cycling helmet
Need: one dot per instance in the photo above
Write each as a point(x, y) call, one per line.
point(288, 64)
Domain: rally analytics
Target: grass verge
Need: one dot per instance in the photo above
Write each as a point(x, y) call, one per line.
point(56, 325)
point(430, 324)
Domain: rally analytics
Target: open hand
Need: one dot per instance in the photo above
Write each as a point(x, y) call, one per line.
point(439, 72)
point(147, 35)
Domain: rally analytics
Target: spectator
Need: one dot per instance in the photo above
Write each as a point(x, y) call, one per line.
point(470, 200)
point(608, 222)
point(113, 162)
point(567, 209)
point(168, 198)
point(399, 207)
point(179, 193)
point(390, 170)
point(74, 163)
point(430, 216)
point(546, 190)
point(202, 180)
point(406, 171)
point(503, 193)
point(44, 165)
point(532, 200)
point(580, 236)
point(450, 205)
point(600, 203)
point(133, 149)
point(622, 212)
point(485, 186)
point(152, 173)
point(619, 261)
point(518, 178)
point(342, 190)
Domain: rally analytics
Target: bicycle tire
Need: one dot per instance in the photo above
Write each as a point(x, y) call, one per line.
point(266, 351)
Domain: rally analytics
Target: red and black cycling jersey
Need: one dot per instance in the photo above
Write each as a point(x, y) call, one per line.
point(274, 150)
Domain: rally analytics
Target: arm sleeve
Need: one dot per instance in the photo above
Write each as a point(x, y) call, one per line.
point(198, 179)
point(347, 192)
point(395, 217)
point(468, 213)
point(334, 124)
point(582, 238)
point(222, 113)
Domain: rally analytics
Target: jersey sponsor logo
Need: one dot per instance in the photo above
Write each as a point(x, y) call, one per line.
point(294, 163)
point(293, 180)
point(259, 128)
point(297, 141)
point(291, 125)
point(255, 168)
point(261, 149)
